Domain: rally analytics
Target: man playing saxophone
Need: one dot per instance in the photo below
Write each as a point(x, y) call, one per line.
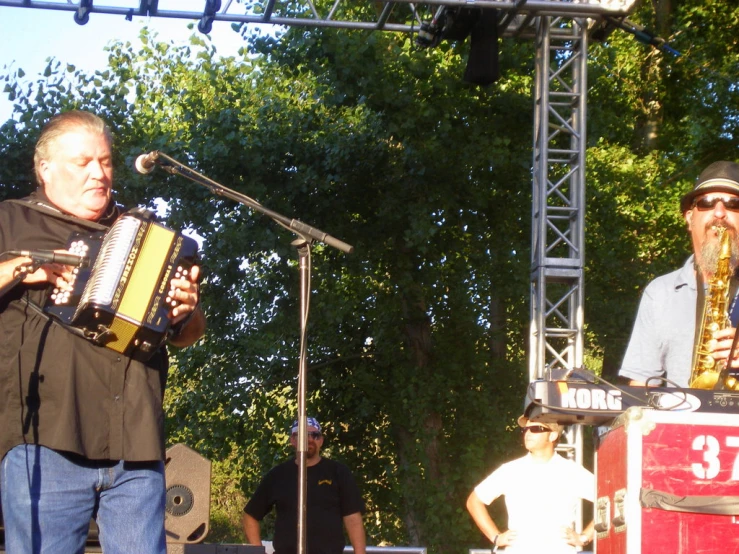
point(682, 326)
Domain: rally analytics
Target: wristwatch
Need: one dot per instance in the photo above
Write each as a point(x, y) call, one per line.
point(584, 538)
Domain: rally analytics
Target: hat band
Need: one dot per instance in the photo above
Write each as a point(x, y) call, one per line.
point(718, 183)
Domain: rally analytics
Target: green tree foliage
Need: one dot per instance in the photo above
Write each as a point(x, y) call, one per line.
point(417, 340)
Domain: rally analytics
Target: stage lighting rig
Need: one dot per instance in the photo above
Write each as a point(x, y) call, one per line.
point(456, 24)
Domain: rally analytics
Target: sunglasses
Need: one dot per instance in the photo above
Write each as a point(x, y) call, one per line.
point(536, 429)
point(706, 203)
point(315, 435)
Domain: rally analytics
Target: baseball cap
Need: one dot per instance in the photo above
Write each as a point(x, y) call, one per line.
point(556, 427)
point(717, 177)
point(309, 422)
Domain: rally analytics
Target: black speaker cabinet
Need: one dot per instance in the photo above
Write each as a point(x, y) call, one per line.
point(187, 516)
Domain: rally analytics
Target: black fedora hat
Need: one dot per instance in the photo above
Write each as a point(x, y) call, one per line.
point(717, 177)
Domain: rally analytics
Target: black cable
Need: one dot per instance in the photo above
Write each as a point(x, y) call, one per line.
point(643, 35)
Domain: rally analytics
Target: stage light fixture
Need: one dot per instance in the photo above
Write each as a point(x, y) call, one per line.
point(209, 14)
point(148, 7)
point(429, 35)
point(82, 15)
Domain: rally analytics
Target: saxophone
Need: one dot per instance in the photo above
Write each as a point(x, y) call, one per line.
point(706, 371)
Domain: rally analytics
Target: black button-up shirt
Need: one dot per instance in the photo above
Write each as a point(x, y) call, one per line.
point(57, 388)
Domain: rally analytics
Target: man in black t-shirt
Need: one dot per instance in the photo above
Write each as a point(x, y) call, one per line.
point(333, 500)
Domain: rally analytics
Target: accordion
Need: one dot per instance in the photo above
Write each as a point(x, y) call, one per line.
point(121, 300)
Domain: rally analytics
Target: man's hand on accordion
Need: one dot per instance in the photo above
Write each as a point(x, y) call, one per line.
point(185, 292)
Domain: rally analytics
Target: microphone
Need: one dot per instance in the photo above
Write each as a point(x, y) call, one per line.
point(146, 163)
point(53, 257)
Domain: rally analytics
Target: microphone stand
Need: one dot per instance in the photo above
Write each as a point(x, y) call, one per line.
point(306, 235)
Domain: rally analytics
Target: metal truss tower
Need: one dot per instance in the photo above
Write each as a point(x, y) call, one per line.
point(558, 207)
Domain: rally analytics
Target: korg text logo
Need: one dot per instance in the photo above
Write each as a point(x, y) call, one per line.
point(596, 399)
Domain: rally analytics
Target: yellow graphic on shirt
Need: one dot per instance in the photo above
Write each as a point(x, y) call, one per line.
point(325, 482)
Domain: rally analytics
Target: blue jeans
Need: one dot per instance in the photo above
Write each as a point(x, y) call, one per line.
point(48, 499)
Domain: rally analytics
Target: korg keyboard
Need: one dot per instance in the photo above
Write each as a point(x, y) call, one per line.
point(569, 402)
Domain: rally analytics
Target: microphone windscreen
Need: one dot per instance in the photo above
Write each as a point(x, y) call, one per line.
point(144, 165)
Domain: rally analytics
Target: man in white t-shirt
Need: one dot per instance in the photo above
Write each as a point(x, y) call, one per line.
point(542, 491)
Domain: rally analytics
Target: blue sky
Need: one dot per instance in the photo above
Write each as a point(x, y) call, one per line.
point(31, 36)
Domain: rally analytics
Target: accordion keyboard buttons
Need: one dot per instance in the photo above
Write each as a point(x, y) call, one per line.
point(180, 273)
point(61, 297)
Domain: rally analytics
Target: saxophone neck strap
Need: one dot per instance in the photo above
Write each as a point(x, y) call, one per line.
point(734, 305)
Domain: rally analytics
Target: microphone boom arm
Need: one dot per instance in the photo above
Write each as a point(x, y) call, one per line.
point(176, 168)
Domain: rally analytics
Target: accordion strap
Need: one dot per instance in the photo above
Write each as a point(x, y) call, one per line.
point(39, 205)
point(95, 338)
point(36, 308)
